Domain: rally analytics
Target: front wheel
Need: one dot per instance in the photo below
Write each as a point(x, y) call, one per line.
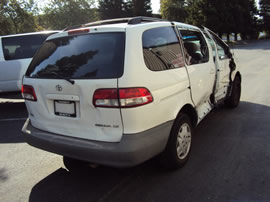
point(178, 147)
point(234, 99)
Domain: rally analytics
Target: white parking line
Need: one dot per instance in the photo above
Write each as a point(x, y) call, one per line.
point(15, 119)
point(4, 100)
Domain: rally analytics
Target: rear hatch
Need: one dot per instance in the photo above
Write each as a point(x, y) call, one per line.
point(64, 75)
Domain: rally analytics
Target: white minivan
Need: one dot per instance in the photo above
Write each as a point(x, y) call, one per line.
point(121, 91)
point(16, 52)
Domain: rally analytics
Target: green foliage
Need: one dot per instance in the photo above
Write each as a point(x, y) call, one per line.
point(226, 16)
point(222, 16)
point(5, 22)
point(173, 10)
point(59, 14)
point(109, 9)
point(141, 8)
point(17, 16)
point(265, 13)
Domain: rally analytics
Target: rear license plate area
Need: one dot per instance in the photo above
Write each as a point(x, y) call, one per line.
point(65, 108)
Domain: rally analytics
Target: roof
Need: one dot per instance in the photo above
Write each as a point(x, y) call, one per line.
point(30, 33)
point(118, 21)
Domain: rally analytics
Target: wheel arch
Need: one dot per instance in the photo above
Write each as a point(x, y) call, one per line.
point(189, 110)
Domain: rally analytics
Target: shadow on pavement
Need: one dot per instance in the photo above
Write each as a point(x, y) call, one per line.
point(12, 118)
point(230, 161)
point(12, 110)
point(11, 95)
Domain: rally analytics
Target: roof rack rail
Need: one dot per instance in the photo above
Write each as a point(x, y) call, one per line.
point(130, 21)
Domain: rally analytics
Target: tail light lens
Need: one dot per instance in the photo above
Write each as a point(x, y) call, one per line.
point(105, 98)
point(28, 93)
point(122, 98)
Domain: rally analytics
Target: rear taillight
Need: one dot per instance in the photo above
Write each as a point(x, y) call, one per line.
point(106, 98)
point(28, 93)
point(122, 98)
point(133, 97)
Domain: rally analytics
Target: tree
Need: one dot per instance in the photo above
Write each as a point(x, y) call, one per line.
point(17, 16)
point(173, 10)
point(230, 16)
point(141, 8)
point(265, 13)
point(64, 13)
point(5, 22)
point(109, 9)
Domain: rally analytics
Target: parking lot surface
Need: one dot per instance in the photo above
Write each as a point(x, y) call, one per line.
point(230, 157)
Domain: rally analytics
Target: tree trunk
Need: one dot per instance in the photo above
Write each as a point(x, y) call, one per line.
point(228, 37)
point(244, 36)
point(235, 36)
point(220, 35)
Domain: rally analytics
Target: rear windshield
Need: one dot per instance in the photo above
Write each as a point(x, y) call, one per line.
point(20, 47)
point(89, 56)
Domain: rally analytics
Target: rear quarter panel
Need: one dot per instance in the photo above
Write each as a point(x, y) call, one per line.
point(170, 88)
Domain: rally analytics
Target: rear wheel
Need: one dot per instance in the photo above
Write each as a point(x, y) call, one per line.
point(178, 147)
point(234, 98)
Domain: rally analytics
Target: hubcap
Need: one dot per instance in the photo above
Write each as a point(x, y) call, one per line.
point(183, 141)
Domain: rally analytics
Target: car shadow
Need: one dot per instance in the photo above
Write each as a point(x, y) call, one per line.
point(229, 161)
point(12, 117)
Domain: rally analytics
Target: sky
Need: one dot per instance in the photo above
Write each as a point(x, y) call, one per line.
point(155, 5)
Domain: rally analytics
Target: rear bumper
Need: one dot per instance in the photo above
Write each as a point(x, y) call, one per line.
point(132, 150)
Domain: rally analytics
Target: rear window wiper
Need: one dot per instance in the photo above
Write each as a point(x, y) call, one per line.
point(62, 77)
point(57, 75)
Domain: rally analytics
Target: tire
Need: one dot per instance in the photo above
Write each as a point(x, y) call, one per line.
point(74, 165)
point(234, 99)
point(178, 148)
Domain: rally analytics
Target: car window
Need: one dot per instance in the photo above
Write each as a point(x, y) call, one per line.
point(212, 43)
point(88, 56)
point(195, 46)
point(20, 47)
point(161, 49)
point(221, 51)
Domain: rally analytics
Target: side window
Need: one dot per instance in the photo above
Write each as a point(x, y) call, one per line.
point(195, 47)
point(20, 47)
point(161, 49)
point(221, 47)
point(221, 51)
point(212, 43)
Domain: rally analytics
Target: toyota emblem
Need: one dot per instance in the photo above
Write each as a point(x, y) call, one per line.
point(58, 88)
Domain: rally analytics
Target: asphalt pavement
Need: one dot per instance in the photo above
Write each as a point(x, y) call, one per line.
point(230, 157)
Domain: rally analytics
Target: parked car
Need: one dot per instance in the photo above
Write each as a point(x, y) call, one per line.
point(121, 91)
point(16, 53)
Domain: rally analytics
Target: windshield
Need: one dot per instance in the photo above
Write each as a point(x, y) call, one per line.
point(89, 56)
